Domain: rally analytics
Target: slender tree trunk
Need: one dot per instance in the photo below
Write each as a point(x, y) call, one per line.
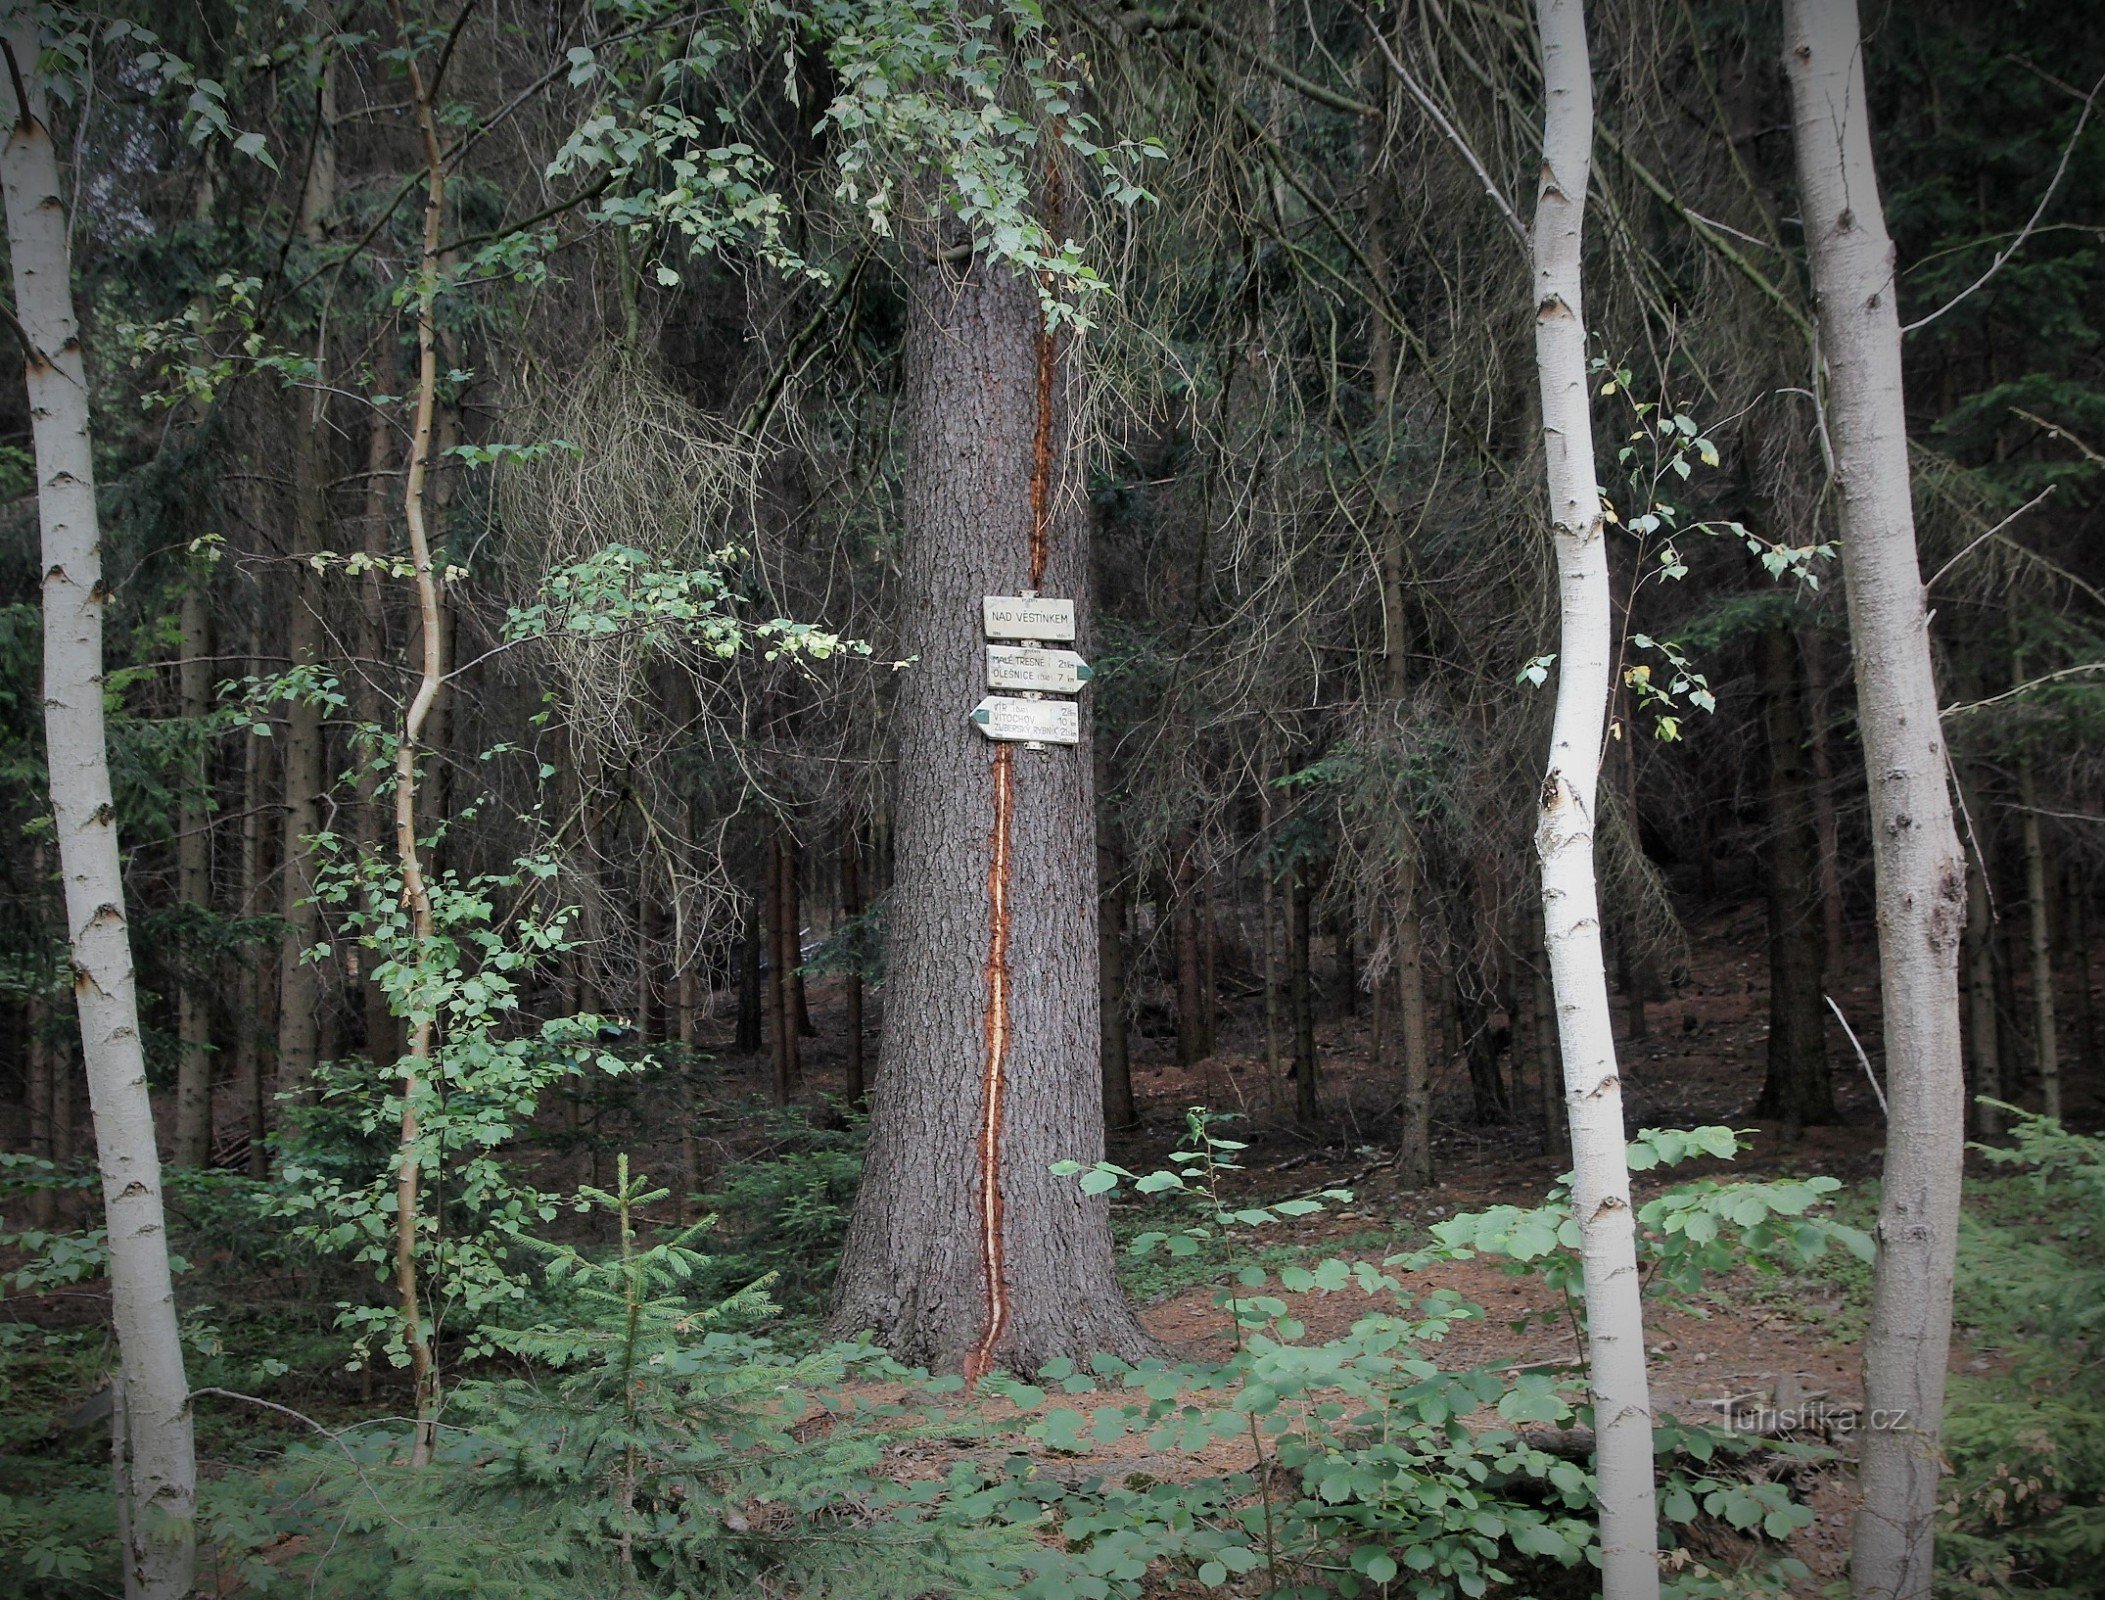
point(160, 1467)
point(1565, 833)
point(855, 1089)
point(1274, 1029)
point(2083, 1026)
point(1209, 966)
point(1119, 1111)
point(193, 1086)
point(1977, 951)
point(1826, 813)
point(416, 1063)
point(1915, 850)
point(1300, 996)
point(2039, 946)
point(782, 939)
point(793, 933)
point(1184, 938)
point(43, 1090)
point(382, 1032)
point(299, 979)
point(252, 983)
point(1549, 1059)
point(1797, 1090)
point(965, 1249)
point(1414, 1150)
point(748, 1038)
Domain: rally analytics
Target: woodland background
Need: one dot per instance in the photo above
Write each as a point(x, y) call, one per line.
point(666, 480)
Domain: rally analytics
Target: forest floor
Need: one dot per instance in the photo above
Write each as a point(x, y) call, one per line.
point(1766, 1343)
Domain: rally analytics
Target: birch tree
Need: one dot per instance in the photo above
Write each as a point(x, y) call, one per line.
point(156, 1463)
point(1921, 876)
point(1565, 828)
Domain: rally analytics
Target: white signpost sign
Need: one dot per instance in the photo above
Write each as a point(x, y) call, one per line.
point(1012, 666)
point(1015, 617)
point(1011, 721)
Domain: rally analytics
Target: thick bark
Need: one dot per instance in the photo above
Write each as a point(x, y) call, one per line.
point(1920, 873)
point(2039, 945)
point(158, 1498)
point(193, 1084)
point(965, 1249)
point(1564, 836)
point(1797, 1090)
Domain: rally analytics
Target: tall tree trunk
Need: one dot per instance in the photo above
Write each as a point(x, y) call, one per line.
point(1827, 814)
point(2039, 945)
point(1268, 917)
point(253, 985)
point(416, 1063)
point(793, 931)
point(1564, 836)
point(1797, 1090)
point(1977, 951)
point(1184, 939)
point(1414, 1150)
point(43, 1088)
point(965, 1249)
point(193, 1084)
point(748, 1038)
point(2083, 1026)
point(158, 1480)
point(1300, 995)
point(382, 1031)
point(1921, 875)
point(1116, 1045)
point(302, 762)
point(855, 1088)
point(781, 943)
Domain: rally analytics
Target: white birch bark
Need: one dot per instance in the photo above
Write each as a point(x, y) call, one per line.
point(1921, 876)
point(162, 1473)
point(1564, 835)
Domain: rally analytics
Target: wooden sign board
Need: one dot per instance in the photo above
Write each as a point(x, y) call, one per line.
point(1028, 721)
point(1013, 617)
point(1011, 666)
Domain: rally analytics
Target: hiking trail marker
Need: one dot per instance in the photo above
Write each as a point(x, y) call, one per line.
point(1027, 616)
point(1008, 720)
point(1011, 666)
point(1025, 663)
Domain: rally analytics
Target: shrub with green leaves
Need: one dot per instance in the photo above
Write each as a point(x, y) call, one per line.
point(2024, 1510)
point(663, 1453)
point(1367, 1467)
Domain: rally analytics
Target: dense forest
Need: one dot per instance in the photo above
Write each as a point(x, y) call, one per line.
point(892, 798)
